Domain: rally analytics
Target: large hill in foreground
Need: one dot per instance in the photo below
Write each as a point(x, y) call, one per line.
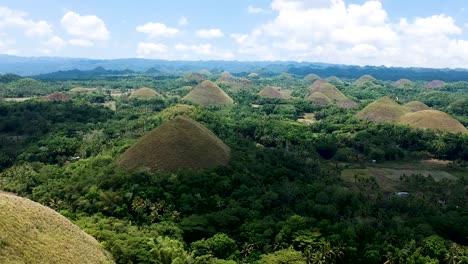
point(32, 233)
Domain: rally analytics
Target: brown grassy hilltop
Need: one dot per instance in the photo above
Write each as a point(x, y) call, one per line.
point(433, 119)
point(334, 80)
point(194, 76)
point(435, 84)
point(273, 92)
point(285, 76)
point(177, 110)
point(319, 98)
point(365, 79)
point(242, 84)
point(415, 106)
point(383, 110)
point(330, 91)
point(145, 93)
point(57, 97)
point(181, 143)
point(402, 83)
point(225, 77)
point(253, 75)
point(32, 233)
point(311, 77)
point(208, 93)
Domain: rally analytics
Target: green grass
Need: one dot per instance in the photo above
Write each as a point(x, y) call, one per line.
point(32, 233)
point(388, 174)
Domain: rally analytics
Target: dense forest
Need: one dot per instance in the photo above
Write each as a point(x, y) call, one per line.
point(336, 189)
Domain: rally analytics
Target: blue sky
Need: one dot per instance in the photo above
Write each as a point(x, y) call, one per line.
point(429, 33)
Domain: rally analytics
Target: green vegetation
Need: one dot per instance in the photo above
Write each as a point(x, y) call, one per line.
point(261, 180)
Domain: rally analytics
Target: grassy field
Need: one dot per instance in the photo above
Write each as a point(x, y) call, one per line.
point(388, 174)
point(308, 118)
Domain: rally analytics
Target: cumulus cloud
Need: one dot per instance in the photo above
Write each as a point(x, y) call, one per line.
point(81, 42)
point(183, 21)
point(157, 30)
point(203, 52)
point(88, 27)
point(151, 50)
point(333, 31)
point(54, 43)
point(16, 18)
point(209, 33)
point(255, 10)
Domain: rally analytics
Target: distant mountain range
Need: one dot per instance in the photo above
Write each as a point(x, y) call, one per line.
point(56, 68)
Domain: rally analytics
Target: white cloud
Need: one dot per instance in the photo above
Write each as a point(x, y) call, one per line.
point(89, 27)
point(255, 10)
point(15, 18)
point(203, 52)
point(151, 50)
point(209, 33)
point(183, 21)
point(54, 43)
point(6, 46)
point(157, 30)
point(336, 32)
point(81, 42)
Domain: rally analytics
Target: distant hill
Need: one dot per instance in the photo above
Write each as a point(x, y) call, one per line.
point(70, 68)
point(145, 93)
point(383, 110)
point(321, 89)
point(32, 233)
point(433, 119)
point(272, 92)
point(208, 93)
point(180, 143)
point(415, 106)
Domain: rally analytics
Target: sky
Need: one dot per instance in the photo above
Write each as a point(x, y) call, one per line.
point(408, 33)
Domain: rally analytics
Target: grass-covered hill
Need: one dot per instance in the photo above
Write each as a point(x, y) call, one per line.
point(383, 110)
point(145, 93)
point(180, 143)
point(433, 119)
point(208, 93)
point(32, 233)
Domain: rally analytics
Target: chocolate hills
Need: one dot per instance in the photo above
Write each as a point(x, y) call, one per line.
point(195, 76)
point(403, 83)
point(415, 106)
point(242, 84)
point(208, 93)
point(334, 80)
point(365, 79)
point(383, 110)
point(319, 98)
point(225, 77)
point(57, 97)
point(435, 84)
point(32, 233)
point(311, 77)
point(180, 143)
point(433, 119)
point(273, 92)
point(330, 91)
point(145, 93)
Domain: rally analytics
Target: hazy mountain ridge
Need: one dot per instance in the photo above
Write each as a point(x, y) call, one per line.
point(76, 68)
